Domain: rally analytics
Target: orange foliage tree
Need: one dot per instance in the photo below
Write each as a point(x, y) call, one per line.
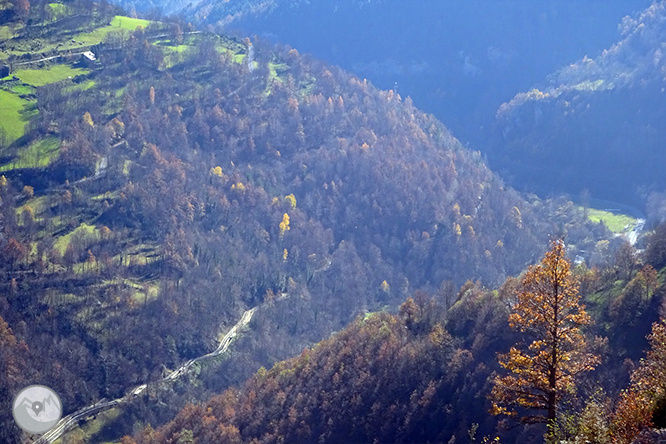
point(547, 309)
point(22, 8)
point(645, 400)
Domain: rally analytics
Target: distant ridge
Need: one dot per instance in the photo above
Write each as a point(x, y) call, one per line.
point(593, 122)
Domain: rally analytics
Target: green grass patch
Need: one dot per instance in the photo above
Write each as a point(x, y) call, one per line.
point(14, 114)
point(38, 204)
point(617, 223)
point(83, 86)
point(55, 298)
point(119, 22)
point(138, 254)
point(306, 87)
point(179, 48)
point(109, 195)
point(63, 241)
point(172, 54)
point(94, 37)
point(168, 45)
point(123, 22)
point(143, 292)
point(38, 154)
point(94, 430)
point(238, 58)
point(22, 89)
point(56, 73)
point(58, 10)
point(277, 70)
point(7, 32)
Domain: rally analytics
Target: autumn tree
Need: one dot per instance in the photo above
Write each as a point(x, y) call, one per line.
point(14, 252)
point(28, 192)
point(649, 280)
point(22, 8)
point(11, 363)
point(284, 225)
point(176, 34)
point(547, 310)
point(643, 404)
point(28, 218)
point(87, 118)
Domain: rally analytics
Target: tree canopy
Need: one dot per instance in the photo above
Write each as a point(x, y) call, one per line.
point(547, 311)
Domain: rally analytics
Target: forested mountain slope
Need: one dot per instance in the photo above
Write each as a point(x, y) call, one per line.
point(181, 177)
point(459, 60)
point(424, 375)
point(597, 124)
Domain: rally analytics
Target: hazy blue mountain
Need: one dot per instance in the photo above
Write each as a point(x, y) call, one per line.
point(457, 59)
point(597, 123)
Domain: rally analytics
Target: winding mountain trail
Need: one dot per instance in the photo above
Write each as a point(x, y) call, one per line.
point(70, 421)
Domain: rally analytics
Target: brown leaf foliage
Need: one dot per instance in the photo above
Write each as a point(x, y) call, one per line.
point(547, 311)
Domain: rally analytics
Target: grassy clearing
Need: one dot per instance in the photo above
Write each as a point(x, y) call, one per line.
point(58, 10)
point(63, 241)
point(617, 223)
point(38, 204)
point(307, 86)
point(56, 73)
point(143, 292)
point(123, 22)
point(105, 196)
point(138, 254)
point(95, 37)
point(83, 86)
point(14, 114)
point(6, 32)
point(177, 48)
point(171, 53)
point(55, 298)
point(118, 23)
point(89, 431)
point(38, 154)
point(168, 45)
point(22, 89)
point(277, 70)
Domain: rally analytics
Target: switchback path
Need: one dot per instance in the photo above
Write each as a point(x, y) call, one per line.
point(70, 421)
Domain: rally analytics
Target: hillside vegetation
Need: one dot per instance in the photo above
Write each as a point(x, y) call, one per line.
point(182, 177)
point(424, 374)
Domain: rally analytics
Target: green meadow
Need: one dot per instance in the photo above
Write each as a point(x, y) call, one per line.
point(36, 155)
point(55, 73)
point(14, 114)
point(617, 223)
